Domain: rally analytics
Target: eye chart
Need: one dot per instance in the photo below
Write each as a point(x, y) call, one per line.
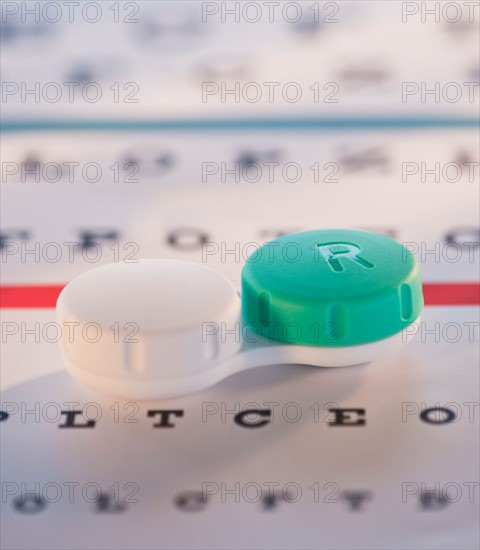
point(378, 455)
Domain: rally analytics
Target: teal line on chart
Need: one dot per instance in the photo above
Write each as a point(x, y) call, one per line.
point(238, 124)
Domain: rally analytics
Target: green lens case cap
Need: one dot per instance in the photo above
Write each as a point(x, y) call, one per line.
point(331, 287)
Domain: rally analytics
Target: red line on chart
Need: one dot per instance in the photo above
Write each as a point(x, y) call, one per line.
point(451, 294)
point(45, 296)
